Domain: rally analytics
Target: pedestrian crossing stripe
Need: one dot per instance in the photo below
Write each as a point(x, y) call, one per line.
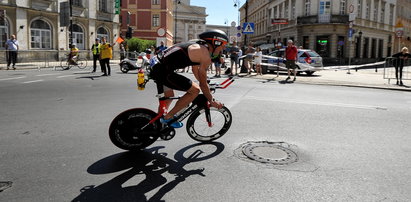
point(248, 28)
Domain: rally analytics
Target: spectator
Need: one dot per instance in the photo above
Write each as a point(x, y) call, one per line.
point(249, 57)
point(258, 58)
point(96, 53)
point(12, 46)
point(291, 56)
point(105, 56)
point(122, 50)
point(234, 51)
point(399, 63)
point(161, 48)
point(217, 60)
point(153, 51)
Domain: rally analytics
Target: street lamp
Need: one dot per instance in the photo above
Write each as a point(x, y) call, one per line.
point(237, 5)
point(175, 21)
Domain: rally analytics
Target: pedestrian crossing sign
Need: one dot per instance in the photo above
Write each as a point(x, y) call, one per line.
point(248, 28)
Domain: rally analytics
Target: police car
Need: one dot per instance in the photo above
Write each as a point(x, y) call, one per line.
point(308, 61)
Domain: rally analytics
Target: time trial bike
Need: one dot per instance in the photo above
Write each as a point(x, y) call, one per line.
point(137, 128)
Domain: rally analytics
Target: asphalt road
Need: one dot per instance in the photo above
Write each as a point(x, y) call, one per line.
point(353, 144)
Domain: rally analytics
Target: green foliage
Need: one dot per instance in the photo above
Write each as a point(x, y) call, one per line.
point(139, 45)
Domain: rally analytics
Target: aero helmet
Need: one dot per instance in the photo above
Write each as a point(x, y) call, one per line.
point(214, 37)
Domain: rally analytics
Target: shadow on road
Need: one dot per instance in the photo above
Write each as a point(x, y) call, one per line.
point(151, 163)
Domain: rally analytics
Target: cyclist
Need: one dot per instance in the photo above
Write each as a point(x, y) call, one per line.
point(72, 59)
point(196, 53)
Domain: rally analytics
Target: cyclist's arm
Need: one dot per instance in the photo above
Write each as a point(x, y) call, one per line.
point(200, 54)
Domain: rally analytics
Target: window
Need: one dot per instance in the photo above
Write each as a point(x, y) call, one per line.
point(4, 32)
point(391, 15)
point(367, 10)
point(102, 5)
point(382, 17)
point(359, 11)
point(343, 5)
point(293, 9)
point(77, 3)
point(155, 2)
point(375, 11)
point(101, 32)
point(78, 37)
point(286, 10)
point(40, 35)
point(307, 7)
point(325, 7)
point(156, 20)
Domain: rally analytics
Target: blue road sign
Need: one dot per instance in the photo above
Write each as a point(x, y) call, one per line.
point(248, 28)
point(350, 32)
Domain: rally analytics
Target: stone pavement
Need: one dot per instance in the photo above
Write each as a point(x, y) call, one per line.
point(366, 78)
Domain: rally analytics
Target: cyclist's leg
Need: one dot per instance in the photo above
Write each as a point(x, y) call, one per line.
point(182, 83)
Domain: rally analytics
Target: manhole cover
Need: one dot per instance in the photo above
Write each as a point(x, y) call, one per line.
point(5, 185)
point(269, 152)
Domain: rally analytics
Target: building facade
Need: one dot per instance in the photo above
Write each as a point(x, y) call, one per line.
point(171, 21)
point(36, 23)
point(324, 26)
point(403, 23)
point(190, 21)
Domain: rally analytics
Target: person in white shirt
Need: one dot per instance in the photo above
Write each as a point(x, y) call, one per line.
point(12, 46)
point(258, 58)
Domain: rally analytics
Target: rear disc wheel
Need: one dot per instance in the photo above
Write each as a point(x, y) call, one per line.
point(126, 130)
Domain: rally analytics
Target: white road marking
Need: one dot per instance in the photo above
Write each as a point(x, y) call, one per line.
point(320, 103)
point(48, 74)
point(66, 76)
point(6, 79)
point(33, 81)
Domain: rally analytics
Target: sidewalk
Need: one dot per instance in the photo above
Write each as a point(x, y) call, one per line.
point(365, 78)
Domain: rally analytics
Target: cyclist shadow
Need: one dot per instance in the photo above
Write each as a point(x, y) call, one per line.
point(151, 163)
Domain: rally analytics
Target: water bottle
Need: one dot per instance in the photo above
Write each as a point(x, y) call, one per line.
point(140, 79)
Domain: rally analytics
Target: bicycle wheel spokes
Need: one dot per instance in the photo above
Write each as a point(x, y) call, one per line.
point(82, 64)
point(201, 130)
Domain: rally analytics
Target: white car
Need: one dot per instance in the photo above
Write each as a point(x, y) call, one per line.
point(308, 61)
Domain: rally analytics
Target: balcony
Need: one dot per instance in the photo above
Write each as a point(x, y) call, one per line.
point(315, 19)
point(105, 16)
point(44, 5)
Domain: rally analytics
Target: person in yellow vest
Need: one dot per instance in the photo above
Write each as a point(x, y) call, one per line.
point(106, 54)
point(95, 49)
point(73, 56)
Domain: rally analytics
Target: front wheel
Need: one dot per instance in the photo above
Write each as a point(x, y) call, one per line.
point(208, 125)
point(124, 68)
point(81, 63)
point(131, 130)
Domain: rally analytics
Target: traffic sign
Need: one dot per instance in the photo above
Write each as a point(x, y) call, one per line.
point(248, 28)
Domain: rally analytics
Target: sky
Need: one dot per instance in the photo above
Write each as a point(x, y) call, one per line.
point(219, 11)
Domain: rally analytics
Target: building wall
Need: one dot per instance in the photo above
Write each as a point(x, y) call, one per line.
point(141, 19)
point(311, 29)
point(21, 14)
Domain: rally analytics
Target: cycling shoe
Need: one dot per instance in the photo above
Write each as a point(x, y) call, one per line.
point(174, 125)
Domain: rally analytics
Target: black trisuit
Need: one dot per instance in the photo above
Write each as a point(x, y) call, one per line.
point(173, 58)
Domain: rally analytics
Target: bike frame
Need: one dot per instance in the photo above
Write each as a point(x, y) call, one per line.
point(199, 101)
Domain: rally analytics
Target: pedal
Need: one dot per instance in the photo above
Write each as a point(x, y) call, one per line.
point(167, 133)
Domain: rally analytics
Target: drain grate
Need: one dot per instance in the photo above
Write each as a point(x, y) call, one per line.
point(5, 185)
point(269, 152)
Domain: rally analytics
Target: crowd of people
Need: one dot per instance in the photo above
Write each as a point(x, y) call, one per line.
point(251, 61)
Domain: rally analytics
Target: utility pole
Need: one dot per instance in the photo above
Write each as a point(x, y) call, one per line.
point(71, 23)
point(246, 20)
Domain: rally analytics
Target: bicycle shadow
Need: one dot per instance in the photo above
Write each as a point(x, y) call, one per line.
point(151, 163)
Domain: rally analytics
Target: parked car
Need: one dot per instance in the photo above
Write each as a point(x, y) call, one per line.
point(308, 61)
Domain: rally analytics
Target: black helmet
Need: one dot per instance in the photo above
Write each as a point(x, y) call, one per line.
point(214, 37)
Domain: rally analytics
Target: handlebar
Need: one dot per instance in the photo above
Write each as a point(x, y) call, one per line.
point(223, 85)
